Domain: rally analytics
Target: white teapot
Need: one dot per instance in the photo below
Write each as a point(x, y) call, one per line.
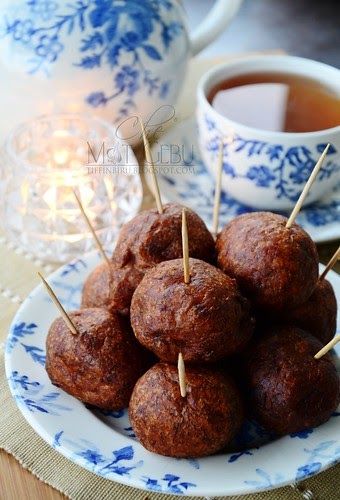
point(116, 59)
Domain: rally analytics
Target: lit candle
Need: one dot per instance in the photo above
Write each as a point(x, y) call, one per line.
point(47, 159)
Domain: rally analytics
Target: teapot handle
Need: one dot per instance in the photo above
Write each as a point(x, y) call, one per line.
point(219, 16)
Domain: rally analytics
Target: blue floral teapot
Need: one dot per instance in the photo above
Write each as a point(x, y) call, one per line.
point(112, 58)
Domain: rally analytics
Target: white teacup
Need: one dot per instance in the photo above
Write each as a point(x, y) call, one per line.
point(267, 169)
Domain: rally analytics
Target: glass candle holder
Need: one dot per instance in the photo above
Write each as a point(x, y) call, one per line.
point(44, 162)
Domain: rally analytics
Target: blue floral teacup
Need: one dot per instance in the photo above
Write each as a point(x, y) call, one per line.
point(266, 168)
point(114, 58)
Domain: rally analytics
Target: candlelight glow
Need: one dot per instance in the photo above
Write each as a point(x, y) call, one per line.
point(61, 157)
point(50, 199)
point(74, 164)
point(45, 165)
point(86, 195)
point(61, 203)
point(61, 133)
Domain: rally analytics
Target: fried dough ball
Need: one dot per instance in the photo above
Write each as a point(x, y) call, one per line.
point(111, 287)
point(201, 423)
point(144, 241)
point(205, 319)
point(150, 238)
point(100, 364)
point(288, 389)
point(274, 266)
point(318, 315)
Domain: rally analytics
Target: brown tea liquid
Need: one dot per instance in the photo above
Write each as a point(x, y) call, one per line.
point(276, 101)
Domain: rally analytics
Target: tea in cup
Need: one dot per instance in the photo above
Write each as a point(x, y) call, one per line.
point(275, 114)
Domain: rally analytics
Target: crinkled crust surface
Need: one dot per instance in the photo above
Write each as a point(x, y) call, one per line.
point(100, 364)
point(111, 287)
point(199, 424)
point(288, 390)
point(275, 267)
point(150, 238)
point(205, 319)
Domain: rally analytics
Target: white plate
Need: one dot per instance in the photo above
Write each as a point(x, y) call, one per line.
point(103, 442)
point(184, 179)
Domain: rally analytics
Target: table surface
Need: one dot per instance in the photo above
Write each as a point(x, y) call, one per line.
point(15, 481)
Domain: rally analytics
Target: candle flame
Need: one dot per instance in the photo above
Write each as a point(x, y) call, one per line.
point(61, 157)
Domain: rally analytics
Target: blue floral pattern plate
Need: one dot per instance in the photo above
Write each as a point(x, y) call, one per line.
point(103, 441)
point(183, 178)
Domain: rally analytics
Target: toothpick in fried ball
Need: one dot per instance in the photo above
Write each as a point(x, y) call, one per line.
point(150, 238)
point(100, 365)
point(275, 267)
point(205, 319)
point(199, 424)
point(288, 389)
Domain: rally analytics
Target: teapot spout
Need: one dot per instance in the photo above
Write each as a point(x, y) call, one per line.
point(222, 12)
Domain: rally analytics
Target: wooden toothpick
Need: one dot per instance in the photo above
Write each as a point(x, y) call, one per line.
point(217, 199)
point(327, 347)
point(185, 246)
point(89, 225)
point(330, 264)
point(181, 376)
point(54, 298)
point(306, 189)
point(148, 157)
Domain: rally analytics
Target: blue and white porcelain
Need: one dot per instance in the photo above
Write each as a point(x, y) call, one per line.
point(103, 441)
point(112, 58)
point(184, 178)
point(261, 168)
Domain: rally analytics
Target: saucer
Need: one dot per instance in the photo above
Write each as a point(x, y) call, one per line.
point(183, 178)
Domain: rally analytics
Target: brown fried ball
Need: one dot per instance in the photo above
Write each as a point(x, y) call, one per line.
point(199, 424)
point(205, 319)
point(288, 389)
point(100, 364)
point(150, 238)
point(318, 315)
point(111, 287)
point(274, 266)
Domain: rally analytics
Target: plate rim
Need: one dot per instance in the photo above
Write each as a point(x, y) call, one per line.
point(94, 258)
